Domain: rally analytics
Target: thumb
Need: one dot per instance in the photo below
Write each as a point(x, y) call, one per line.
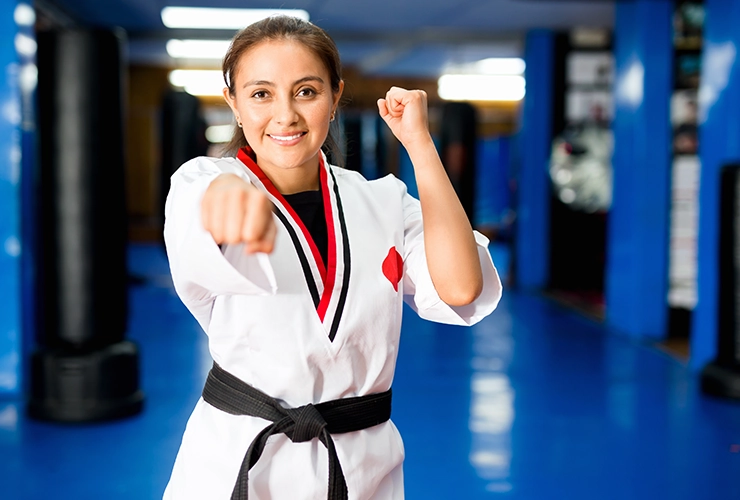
point(383, 109)
point(384, 113)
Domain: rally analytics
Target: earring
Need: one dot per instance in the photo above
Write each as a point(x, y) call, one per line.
point(331, 119)
point(239, 124)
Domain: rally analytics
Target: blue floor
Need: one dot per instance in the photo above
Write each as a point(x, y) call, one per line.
point(533, 403)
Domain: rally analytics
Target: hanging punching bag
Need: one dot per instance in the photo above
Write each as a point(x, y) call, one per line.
point(458, 137)
point(83, 368)
point(721, 377)
point(183, 135)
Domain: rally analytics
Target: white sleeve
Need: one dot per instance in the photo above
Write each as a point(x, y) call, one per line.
point(200, 270)
point(418, 289)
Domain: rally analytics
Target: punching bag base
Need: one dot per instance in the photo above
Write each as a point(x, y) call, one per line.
point(721, 380)
point(86, 387)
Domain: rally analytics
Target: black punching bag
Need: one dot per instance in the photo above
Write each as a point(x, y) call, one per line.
point(83, 368)
point(458, 137)
point(721, 377)
point(183, 134)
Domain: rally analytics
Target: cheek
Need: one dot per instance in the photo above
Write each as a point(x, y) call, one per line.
point(254, 121)
point(320, 115)
point(256, 114)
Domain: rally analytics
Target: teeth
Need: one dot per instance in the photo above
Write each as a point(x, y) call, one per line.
point(286, 137)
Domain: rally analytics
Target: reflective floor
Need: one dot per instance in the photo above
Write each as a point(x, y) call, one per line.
point(533, 403)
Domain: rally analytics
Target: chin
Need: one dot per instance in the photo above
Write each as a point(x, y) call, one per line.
point(290, 161)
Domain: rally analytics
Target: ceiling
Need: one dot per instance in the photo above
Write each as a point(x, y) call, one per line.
point(379, 37)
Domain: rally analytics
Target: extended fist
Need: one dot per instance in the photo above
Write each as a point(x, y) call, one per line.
point(234, 211)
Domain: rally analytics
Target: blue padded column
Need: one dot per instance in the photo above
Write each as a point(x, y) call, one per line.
point(10, 199)
point(531, 258)
point(719, 144)
point(638, 226)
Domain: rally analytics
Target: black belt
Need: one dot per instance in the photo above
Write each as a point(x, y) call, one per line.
point(231, 395)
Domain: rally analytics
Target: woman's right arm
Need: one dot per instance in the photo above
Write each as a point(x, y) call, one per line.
point(211, 210)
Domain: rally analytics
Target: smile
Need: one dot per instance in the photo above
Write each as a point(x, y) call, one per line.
point(286, 138)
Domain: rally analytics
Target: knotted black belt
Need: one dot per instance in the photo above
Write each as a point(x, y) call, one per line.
point(231, 395)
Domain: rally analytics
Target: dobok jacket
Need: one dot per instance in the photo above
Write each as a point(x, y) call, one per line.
point(301, 330)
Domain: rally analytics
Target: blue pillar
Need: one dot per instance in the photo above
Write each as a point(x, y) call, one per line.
point(719, 143)
point(10, 200)
point(532, 243)
point(638, 228)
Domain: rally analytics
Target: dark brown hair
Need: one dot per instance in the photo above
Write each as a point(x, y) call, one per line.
point(284, 28)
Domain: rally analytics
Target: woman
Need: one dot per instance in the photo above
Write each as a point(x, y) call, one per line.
point(297, 271)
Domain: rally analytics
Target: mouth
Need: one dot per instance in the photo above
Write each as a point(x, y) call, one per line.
point(287, 138)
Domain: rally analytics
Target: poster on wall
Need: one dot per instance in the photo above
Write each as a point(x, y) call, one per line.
point(688, 70)
point(594, 106)
point(682, 291)
point(688, 23)
point(684, 116)
point(588, 97)
point(590, 68)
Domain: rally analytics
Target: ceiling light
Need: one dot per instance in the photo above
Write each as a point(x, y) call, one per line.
point(198, 81)
point(481, 87)
point(197, 49)
point(489, 66)
point(25, 45)
point(501, 66)
point(24, 15)
point(211, 18)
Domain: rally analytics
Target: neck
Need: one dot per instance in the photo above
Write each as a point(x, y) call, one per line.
point(290, 184)
point(298, 179)
point(294, 180)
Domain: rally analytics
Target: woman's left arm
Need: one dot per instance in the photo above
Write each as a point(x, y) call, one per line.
point(451, 250)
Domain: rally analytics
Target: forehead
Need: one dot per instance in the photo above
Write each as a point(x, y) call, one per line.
point(280, 60)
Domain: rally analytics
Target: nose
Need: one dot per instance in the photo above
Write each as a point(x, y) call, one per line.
point(285, 111)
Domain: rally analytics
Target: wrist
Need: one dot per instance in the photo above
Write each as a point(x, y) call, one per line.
point(423, 142)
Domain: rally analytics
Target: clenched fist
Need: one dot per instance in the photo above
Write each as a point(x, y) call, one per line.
point(234, 211)
point(405, 112)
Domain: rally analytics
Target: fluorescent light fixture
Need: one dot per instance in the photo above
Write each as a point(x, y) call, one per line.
point(226, 19)
point(28, 77)
point(481, 87)
point(201, 82)
point(25, 45)
point(24, 15)
point(501, 66)
point(489, 66)
point(197, 49)
point(219, 134)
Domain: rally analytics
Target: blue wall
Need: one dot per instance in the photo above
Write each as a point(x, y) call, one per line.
point(638, 227)
point(719, 143)
point(493, 183)
point(10, 199)
point(532, 239)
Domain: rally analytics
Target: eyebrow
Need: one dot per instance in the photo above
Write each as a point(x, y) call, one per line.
point(268, 83)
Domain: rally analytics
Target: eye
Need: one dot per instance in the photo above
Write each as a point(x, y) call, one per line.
point(306, 92)
point(260, 94)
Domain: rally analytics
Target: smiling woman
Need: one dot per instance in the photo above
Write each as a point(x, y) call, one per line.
point(292, 40)
point(297, 270)
point(284, 112)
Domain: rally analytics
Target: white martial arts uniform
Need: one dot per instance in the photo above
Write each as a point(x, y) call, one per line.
point(301, 331)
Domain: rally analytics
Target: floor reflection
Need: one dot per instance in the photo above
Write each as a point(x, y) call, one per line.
point(491, 405)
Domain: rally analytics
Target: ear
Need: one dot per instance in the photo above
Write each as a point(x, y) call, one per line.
point(230, 100)
point(338, 95)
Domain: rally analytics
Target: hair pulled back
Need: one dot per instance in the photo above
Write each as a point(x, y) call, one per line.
point(277, 28)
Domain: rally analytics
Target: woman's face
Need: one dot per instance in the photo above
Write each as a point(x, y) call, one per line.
point(283, 99)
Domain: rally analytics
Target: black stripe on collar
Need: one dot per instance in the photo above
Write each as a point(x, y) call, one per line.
point(302, 257)
point(347, 262)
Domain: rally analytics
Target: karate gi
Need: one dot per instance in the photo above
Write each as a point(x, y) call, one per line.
point(301, 330)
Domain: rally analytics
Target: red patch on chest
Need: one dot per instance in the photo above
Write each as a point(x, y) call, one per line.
point(393, 267)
